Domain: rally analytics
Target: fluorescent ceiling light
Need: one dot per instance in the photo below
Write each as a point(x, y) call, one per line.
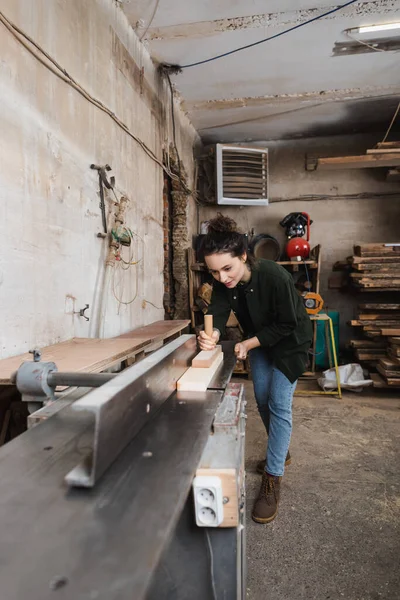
point(376, 28)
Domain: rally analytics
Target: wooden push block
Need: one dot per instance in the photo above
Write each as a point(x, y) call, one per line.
point(205, 358)
point(198, 380)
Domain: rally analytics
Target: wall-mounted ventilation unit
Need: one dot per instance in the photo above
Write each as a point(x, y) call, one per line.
point(242, 175)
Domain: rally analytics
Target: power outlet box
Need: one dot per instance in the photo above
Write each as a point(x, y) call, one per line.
point(208, 501)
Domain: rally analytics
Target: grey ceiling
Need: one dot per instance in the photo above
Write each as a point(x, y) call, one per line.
point(289, 87)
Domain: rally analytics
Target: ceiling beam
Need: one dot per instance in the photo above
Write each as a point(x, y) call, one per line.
point(305, 98)
point(385, 8)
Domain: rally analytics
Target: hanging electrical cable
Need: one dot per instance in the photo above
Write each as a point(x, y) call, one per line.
point(391, 124)
point(151, 19)
point(178, 68)
point(59, 71)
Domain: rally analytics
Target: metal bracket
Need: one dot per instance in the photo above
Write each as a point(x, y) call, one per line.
point(37, 355)
point(81, 312)
point(124, 405)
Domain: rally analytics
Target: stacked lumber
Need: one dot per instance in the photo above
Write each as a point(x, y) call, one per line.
point(204, 366)
point(378, 323)
point(388, 375)
point(375, 267)
point(390, 371)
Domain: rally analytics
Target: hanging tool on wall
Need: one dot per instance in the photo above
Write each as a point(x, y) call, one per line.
point(108, 183)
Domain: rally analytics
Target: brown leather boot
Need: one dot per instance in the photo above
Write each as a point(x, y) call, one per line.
point(266, 505)
point(261, 464)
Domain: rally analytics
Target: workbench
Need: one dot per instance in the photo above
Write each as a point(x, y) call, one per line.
point(132, 535)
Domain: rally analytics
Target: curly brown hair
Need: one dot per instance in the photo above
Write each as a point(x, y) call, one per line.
point(223, 236)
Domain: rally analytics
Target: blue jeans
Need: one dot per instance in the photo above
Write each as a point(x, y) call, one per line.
point(274, 396)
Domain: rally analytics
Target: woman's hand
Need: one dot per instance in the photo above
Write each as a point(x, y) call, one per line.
point(207, 342)
point(243, 348)
point(241, 351)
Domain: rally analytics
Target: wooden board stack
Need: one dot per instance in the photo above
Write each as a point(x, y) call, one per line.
point(376, 267)
point(204, 366)
point(389, 367)
point(378, 323)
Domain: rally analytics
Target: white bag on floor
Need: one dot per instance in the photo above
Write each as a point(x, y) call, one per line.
point(351, 378)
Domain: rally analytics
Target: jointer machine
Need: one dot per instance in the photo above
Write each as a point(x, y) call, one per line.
point(134, 491)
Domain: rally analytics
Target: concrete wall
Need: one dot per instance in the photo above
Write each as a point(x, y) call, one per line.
point(51, 262)
point(338, 222)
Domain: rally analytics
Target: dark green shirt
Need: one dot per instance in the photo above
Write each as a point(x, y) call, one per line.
point(280, 320)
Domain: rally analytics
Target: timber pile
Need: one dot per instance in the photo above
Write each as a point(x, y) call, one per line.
point(376, 267)
point(379, 325)
point(389, 367)
point(372, 268)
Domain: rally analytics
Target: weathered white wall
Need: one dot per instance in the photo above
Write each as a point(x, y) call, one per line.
point(338, 223)
point(51, 261)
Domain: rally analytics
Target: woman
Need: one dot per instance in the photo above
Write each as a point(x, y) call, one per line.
point(277, 337)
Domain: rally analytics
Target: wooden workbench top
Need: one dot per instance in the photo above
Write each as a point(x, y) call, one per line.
point(91, 355)
point(78, 354)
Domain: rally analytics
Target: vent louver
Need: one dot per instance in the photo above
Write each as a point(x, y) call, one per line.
point(242, 175)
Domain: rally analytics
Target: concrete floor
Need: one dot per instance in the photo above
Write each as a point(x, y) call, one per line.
point(337, 534)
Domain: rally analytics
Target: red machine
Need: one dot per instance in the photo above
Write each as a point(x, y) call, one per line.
point(295, 225)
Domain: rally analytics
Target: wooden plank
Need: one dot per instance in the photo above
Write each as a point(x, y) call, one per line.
point(392, 144)
point(156, 332)
point(389, 365)
point(373, 334)
point(393, 382)
point(378, 307)
point(387, 284)
point(370, 355)
point(197, 380)
point(48, 411)
point(377, 267)
point(393, 316)
point(375, 276)
point(377, 250)
point(390, 332)
point(378, 381)
point(86, 355)
point(367, 344)
point(373, 324)
point(311, 264)
point(229, 490)
point(394, 340)
point(381, 289)
point(362, 161)
point(394, 357)
point(395, 150)
point(386, 373)
point(206, 358)
point(387, 259)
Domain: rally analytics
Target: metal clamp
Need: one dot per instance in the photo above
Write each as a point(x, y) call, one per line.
point(37, 355)
point(31, 381)
point(81, 312)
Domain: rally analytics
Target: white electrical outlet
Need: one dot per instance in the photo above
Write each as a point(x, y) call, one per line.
point(208, 501)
